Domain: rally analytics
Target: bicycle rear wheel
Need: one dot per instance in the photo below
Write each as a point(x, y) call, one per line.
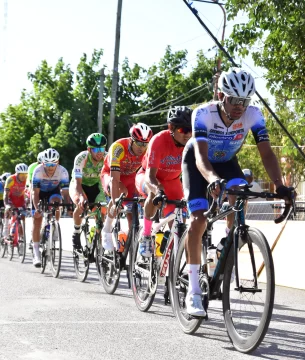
point(56, 248)
point(144, 279)
point(247, 312)
point(3, 247)
point(108, 268)
point(81, 260)
point(21, 241)
point(178, 287)
point(10, 251)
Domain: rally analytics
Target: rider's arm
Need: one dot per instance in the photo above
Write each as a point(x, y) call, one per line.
point(115, 185)
point(116, 154)
point(5, 196)
point(270, 163)
point(202, 162)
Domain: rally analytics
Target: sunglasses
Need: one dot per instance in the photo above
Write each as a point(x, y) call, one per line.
point(50, 164)
point(234, 100)
point(140, 143)
point(184, 130)
point(97, 150)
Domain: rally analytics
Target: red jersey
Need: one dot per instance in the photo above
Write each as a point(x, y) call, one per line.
point(16, 190)
point(121, 158)
point(163, 154)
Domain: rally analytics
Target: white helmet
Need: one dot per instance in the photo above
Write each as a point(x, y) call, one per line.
point(141, 132)
point(50, 156)
point(40, 157)
point(236, 82)
point(21, 168)
point(5, 176)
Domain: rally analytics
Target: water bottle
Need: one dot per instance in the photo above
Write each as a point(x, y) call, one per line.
point(220, 247)
point(91, 234)
point(158, 240)
point(47, 231)
point(164, 241)
point(211, 260)
point(122, 237)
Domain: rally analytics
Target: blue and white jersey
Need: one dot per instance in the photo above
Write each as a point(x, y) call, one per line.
point(45, 183)
point(224, 142)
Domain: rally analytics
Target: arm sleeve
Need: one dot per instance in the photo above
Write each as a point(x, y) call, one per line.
point(116, 154)
point(64, 181)
point(258, 128)
point(154, 152)
point(79, 164)
point(199, 127)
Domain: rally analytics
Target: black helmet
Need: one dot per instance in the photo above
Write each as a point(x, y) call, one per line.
point(180, 116)
point(96, 140)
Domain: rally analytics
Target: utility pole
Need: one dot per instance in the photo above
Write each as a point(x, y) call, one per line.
point(101, 101)
point(115, 74)
point(216, 76)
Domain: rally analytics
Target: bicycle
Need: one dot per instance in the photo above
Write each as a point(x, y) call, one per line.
point(18, 237)
point(236, 278)
point(50, 237)
point(2, 242)
point(148, 272)
point(89, 238)
point(111, 263)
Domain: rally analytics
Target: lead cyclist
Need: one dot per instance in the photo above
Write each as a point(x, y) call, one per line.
point(219, 131)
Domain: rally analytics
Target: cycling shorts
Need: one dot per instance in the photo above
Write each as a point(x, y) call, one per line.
point(49, 195)
point(127, 180)
point(195, 185)
point(172, 189)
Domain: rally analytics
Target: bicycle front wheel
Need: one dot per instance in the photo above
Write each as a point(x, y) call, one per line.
point(56, 248)
point(247, 310)
point(21, 241)
point(108, 268)
point(178, 288)
point(81, 260)
point(144, 279)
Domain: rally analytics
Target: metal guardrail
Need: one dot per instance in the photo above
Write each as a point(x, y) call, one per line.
point(269, 210)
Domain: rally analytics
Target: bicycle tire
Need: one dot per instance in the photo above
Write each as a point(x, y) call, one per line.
point(247, 324)
point(108, 266)
point(80, 260)
point(3, 245)
point(56, 249)
point(178, 287)
point(140, 282)
point(21, 246)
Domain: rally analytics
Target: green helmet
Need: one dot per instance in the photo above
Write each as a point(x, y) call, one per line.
point(96, 140)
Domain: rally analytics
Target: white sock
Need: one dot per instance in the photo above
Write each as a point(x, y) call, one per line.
point(108, 224)
point(36, 248)
point(193, 271)
point(5, 227)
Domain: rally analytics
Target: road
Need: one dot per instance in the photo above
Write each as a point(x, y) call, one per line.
point(46, 318)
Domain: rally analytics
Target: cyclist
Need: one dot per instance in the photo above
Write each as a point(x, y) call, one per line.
point(86, 183)
point(50, 181)
point(118, 174)
point(14, 196)
point(161, 169)
point(219, 131)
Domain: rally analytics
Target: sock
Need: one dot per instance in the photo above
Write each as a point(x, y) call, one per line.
point(36, 248)
point(193, 271)
point(108, 224)
point(76, 229)
point(147, 227)
point(5, 227)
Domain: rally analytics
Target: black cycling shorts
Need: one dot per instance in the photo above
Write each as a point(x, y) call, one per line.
point(48, 195)
point(195, 185)
point(91, 192)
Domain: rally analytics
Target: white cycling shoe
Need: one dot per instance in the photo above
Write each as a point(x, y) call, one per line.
point(194, 306)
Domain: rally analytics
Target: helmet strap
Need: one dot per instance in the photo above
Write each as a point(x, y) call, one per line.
point(177, 143)
point(222, 105)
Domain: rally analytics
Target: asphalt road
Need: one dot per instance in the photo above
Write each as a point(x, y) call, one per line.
point(46, 318)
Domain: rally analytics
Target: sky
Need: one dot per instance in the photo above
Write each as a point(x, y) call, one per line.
point(36, 30)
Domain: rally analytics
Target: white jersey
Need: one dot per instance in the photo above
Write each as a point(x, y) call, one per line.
point(59, 179)
point(224, 142)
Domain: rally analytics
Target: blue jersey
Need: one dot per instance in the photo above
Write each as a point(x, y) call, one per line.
point(224, 142)
point(59, 179)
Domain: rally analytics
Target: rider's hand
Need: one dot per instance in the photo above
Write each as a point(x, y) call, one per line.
point(157, 200)
point(81, 202)
point(37, 214)
point(214, 188)
point(285, 193)
point(7, 207)
point(112, 211)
